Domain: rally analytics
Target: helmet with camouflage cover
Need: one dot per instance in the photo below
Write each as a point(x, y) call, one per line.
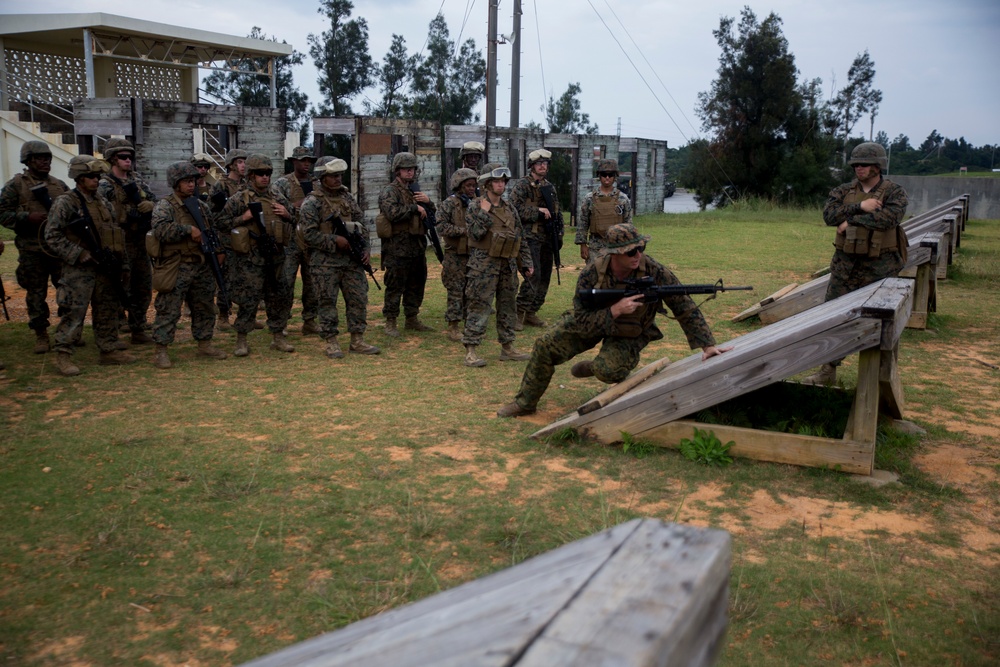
point(538, 156)
point(302, 153)
point(330, 166)
point(87, 165)
point(461, 176)
point(493, 171)
point(404, 160)
point(116, 146)
point(258, 162)
point(178, 171)
point(29, 148)
point(622, 238)
point(471, 148)
point(201, 160)
point(607, 166)
point(869, 152)
point(234, 155)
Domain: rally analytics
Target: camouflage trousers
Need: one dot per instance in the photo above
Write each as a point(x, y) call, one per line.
point(225, 306)
point(139, 291)
point(249, 285)
point(489, 277)
point(195, 286)
point(35, 269)
point(329, 282)
point(453, 278)
point(405, 280)
point(80, 288)
point(617, 358)
point(534, 288)
point(296, 260)
point(851, 272)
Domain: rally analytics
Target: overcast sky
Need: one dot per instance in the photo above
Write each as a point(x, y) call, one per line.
point(643, 62)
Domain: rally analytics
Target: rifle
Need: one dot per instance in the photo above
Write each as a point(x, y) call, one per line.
point(218, 201)
point(265, 242)
point(598, 299)
point(41, 194)
point(211, 246)
point(430, 224)
point(356, 243)
point(107, 261)
point(134, 197)
point(548, 193)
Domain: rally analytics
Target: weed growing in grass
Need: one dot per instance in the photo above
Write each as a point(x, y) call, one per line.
point(706, 448)
point(564, 436)
point(636, 447)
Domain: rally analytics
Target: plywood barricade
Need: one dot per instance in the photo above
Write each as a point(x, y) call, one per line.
point(932, 239)
point(868, 321)
point(641, 593)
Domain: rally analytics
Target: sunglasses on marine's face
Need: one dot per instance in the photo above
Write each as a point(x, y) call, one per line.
point(635, 251)
point(262, 172)
point(607, 174)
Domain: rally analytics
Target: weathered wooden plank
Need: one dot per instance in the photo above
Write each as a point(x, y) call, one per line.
point(891, 302)
point(800, 450)
point(891, 399)
point(756, 308)
point(864, 412)
point(629, 383)
point(561, 141)
point(804, 297)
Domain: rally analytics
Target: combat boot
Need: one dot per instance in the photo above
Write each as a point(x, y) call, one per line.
point(582, 369)
point(359, 346)
point(206, 349)
point(141, 338)
point(390, 327)
point(509, 353)
point(280, 344)
point(472, 359)
point(826, 376)
point(257, 324)
point(160, 358)
point(65, 365)
point(414, 324)
point(78, 341)
point(42, 343)
point(519, 320)
point(333, 349)
point(309, 328)
point(222, 322)
point(512, 409)
point(242, 347)
point(116, 358)
point(120, 344)
point(454, 333)
point(532, 320)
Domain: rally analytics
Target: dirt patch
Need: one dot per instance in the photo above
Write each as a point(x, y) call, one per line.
point(957, 465)
point(61, 651)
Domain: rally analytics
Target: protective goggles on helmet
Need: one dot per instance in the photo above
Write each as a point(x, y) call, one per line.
point(499, 172)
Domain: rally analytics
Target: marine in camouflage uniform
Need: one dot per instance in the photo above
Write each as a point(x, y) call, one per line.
point(472, 155)
point(203, 163)
point(84, 282)
point(254, 275)
point(623, 330)
point(295, 187)
point(496, 246)
point(601, 210)
point(404, 254)
point(330, 263)
point(180, 246)
point(452, 231)
point(21, 211)
point(218, 195)
point(133, 204)
point(870, 244)
point(526, 197)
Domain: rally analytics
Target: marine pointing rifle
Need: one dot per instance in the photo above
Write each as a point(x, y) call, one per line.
point(356, 246)
point(598, 299)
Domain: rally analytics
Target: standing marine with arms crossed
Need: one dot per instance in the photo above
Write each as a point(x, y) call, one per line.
point(601, 210)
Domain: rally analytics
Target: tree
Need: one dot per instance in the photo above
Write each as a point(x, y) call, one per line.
point(341, 56)
point(858, 96)
point(448, 82)
point(392, 77)
point(564, 116)
point(254, 90)
point(883, 139)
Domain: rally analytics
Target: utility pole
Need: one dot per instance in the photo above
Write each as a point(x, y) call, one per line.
point(491, 66)
point(515, 69)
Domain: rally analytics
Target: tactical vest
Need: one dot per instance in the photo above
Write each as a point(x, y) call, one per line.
point(282, 232)
point(123, 207)
point(111, 235)
point(414, 225)
point(605, 213)
point(859, 240)
point(535, 188)
point(459, 244)
point(28, 203)
point(188, 248)
point(334, 203)
point(628, 325)
point(502, 239)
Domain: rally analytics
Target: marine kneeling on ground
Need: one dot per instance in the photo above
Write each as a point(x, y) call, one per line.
point(180, 272)
point(625, 328)
point(328, 216)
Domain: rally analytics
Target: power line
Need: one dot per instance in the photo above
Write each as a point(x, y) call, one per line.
point(541, 68)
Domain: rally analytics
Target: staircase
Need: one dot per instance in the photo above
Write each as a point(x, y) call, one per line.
point(14, 133)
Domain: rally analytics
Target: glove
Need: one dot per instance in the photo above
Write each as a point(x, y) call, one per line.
point(145, 206)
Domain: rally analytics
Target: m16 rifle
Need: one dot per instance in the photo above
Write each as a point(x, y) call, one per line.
point(598, 299)
point(430, 224)
point(553, 226)
point(211, 246)
point(108, 263)
point(356, 245)
point(266, 244)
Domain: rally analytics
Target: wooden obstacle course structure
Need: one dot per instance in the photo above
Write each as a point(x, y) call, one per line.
point(642, 593)
point(868, 321)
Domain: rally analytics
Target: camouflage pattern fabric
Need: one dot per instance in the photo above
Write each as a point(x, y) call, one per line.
point(195, 281)
point(36, 267)
point(81, 287)
point(404, 256)
point(579, 330)
point(583, 233)
point(453, 268)
point(332, 269)
point(524, 195)
point(228, 187)
point(295, 258)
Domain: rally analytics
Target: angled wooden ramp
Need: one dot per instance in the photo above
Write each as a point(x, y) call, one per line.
point(868, 321)
point(639, 594)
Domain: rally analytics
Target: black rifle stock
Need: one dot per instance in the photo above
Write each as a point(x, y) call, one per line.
point(553, 226)
point(356, 245)
point(265, 242)
point(430, 224)
point(211, 246)
point(218, 201)
point(107, 261)
point(41, 194)
point(598, 299)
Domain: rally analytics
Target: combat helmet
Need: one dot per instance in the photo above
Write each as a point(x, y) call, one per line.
point(538, 156)
point(623, 237)
point(29, 148)
point(471, 148)
point(201, 159)
point(302, 153)
point(404, 160)
point(87, 165)
point(606, 165)
point(178, 171)
point(461, 176)
point(493, 171)
point(116, 146)
point(869, 152)
point(258, 162)
point(234, 155)
point(330, 166)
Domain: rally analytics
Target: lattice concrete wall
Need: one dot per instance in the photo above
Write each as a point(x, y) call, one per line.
point(50, 78)
point(147, 81)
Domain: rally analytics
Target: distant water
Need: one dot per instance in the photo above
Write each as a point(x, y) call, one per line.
point(681, 202)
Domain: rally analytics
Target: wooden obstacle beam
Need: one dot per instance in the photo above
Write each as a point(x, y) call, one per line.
point(642, 593)
point(868, 321)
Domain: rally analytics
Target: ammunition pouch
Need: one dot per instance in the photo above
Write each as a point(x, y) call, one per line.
point(113, 239)
point(383, 228)
point(240, 238)
point(152, 245)
point(504, 244)
point(871, 243)
point(165, 272)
